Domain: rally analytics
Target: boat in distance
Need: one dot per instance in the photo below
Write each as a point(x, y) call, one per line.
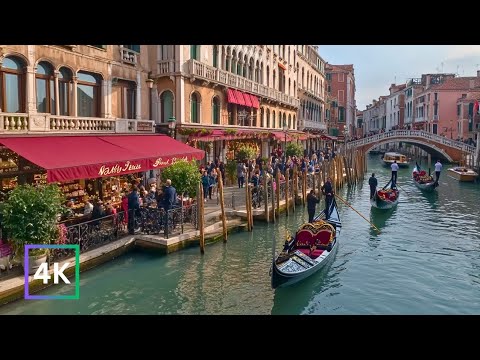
point(389, 157)
point(462, 174)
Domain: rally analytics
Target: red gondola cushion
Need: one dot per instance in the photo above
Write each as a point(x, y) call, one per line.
point(305, 251)
point(323, 237)
point(305, 238)
point(316, 253)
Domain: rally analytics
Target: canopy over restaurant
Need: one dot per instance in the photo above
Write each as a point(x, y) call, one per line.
point(89, 167)
point(77, 157)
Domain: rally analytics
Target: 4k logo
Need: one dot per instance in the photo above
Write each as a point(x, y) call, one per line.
point(44, 274)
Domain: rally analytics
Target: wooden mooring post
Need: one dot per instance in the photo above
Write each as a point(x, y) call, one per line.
point(201, 219)
point(222, 206)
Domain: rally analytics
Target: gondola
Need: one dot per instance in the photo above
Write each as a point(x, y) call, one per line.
point(308, 251)
point(385, 198)
point(422, 180)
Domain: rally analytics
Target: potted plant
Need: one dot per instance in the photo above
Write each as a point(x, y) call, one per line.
point(231, 171)
point(185, 177)
point(30, 216)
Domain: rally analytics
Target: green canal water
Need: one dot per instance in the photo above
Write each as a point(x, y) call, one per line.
point(426, 260)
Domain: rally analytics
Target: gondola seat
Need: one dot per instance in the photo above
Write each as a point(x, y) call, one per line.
point(316, 253)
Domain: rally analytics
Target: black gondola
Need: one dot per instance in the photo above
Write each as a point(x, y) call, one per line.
point(385, 198)
point(308, 251)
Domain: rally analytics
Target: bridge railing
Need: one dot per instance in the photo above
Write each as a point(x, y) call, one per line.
point(412, 134)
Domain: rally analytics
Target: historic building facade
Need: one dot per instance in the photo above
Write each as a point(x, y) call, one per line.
point(75, 87)
point(230, 91)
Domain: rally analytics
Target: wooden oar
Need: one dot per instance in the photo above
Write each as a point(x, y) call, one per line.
point(405, 191)
point(350, 206)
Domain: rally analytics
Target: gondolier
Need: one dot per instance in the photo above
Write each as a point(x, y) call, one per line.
point(327, 190)
point(394, 167)
point(312, 202)
point(438, 169)
point(373, 182)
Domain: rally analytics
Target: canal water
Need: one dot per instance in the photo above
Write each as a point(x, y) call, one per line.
point(425, 260)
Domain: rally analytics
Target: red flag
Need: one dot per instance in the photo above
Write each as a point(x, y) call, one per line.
point(475, 107)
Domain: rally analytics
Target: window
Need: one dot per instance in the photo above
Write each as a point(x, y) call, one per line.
point(216, 111)
point(127, 99)
point(435, 109)
point(435, 127)
point(268, 76)
point(294, 122)
point(45, 86)
point(290, 125)
point(329, 76)
point(274, 83)
point(64, 81)
point(329, 88)
point(215, 56)
point(194, 52)
point(273, 120)
point(268, 118)
point(103, 47)
point(135, 48)
point(88, 94)
point(164, 53)
point(12, 85)
point(435, 96)
point(341, 114)
point(459, 109)
point(195, 108)
point(166, 103)
point(340, 95)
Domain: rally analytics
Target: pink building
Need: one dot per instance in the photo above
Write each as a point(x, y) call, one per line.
point(436, 106)
point(468, 120)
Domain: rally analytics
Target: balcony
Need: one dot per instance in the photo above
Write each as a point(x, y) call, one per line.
point(16, 123)
point(310, 124)
point(128, 56)
point(166, 67)
point(197, 69)
point(314, 95)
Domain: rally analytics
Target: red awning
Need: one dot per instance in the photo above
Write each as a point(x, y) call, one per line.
point(239, 97)
point(231, 96)
point(255, 102)
point(248, 100)
point(82, 157)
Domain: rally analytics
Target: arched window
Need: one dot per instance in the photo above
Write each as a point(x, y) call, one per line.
point(261, 73)
point(215, 56)
point(45, 86)
point(262, 117)
point(303, 78)
point(216, 110)
point(227, 60)
point(257, 72)
point(234, 62)
point(166, 103)
point(308, 80)
point(195, 108)
point(245, 65)
point(294, 122)
point(294, 88)
point(289, 85)
point(251, 69)
point(290, 125)
point(12, 85)
point(273, 83)
point(284, 118)
point(268, 76)
point(64, 81)
point(268, 118)
point(194, 52)
point(273, 119)
point(88, 94)
point(239, 65)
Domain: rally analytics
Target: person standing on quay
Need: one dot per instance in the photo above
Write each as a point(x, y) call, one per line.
point(312, 202)
point(373, 182)
point(394, 167)
point(438, 169)
point(327, 190)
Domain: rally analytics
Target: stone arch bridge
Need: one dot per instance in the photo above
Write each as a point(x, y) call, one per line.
point(438, 146)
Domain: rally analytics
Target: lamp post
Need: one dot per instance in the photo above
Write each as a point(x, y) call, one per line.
point(150, 83)
point(172, 122)
point(285, 129)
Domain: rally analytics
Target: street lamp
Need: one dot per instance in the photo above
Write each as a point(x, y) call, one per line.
point(285, 130)
point(150, 83)
point(172, 122)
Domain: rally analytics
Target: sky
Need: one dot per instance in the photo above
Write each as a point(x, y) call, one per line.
point(379, 66)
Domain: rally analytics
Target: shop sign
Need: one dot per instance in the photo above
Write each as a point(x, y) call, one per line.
point(119, 168)
point(161, 162)
point(144, 126)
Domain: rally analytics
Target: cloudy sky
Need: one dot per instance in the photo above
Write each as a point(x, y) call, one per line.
point(379, 66)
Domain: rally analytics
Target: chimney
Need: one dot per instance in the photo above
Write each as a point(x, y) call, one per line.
point(478, 73)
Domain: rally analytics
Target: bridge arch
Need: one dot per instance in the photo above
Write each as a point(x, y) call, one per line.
point(434, 150)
